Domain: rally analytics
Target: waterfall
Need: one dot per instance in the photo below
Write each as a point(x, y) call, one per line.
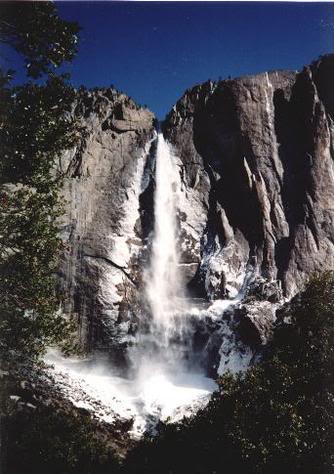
point(164, 287)
point(161, 342)
point(165, 376)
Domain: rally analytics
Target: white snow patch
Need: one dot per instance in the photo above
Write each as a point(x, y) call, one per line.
point(234, 355)
point(124, 245)
point(147, 399)
point(215, 263)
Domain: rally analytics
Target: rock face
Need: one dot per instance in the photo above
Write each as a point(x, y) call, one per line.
point(256, 210)
point(256, 160)
point(103, 227)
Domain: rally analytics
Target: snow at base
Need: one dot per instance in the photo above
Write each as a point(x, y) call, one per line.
point(146, 401)
point(155, 394)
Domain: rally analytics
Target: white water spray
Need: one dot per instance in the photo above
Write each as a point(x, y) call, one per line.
point(164, 286)
point(161, 345)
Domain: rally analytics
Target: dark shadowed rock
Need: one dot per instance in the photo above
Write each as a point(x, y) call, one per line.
point(256, 323)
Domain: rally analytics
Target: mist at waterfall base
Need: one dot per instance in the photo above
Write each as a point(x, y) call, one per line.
point(167, 382)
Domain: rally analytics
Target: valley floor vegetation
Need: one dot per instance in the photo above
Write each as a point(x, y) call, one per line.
point(277, 417)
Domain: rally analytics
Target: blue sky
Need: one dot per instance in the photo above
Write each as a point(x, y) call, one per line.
point(154, 51)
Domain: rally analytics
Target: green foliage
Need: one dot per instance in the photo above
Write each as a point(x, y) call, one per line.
point(277, 417)
point(35, 30)
point(29, 248)
point(35, 128)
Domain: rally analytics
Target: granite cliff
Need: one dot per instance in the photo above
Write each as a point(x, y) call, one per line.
point(102, 227)
point(255, 158)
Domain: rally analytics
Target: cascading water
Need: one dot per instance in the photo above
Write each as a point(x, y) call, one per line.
point(162, 343)
point(164, 381)
point(163, 282)
point(160, 357)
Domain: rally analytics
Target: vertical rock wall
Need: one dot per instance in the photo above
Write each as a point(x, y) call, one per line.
point(101, 229)
point(257, 162)
point(255, 158)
